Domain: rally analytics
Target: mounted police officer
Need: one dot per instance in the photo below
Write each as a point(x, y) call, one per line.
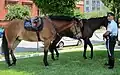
point(111, 37)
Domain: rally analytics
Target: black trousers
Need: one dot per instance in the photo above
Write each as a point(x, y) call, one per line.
point(110, 45)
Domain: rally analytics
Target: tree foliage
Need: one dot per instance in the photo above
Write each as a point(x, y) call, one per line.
point(56, 7)
point(17, 12)
point(113, 5)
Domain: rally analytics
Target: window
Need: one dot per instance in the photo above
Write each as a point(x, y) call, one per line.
point(27, 4)
point(98, 3)
point(87, 9)
point(98, 8)
point(87, 2)
point(10, 3)
point(93, 3)
point(93, 8)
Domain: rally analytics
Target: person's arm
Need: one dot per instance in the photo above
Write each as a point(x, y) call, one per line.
point(107, 33)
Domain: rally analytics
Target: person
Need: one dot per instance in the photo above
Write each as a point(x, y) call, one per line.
point(111, 37)
point(119, 22)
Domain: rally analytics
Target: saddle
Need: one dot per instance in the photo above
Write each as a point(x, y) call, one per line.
point(34, 24)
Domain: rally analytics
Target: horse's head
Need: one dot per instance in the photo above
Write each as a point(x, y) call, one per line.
point(76, 28)
point(105, 21)
point(92, 24)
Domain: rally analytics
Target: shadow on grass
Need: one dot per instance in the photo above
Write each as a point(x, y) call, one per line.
point(70, 63)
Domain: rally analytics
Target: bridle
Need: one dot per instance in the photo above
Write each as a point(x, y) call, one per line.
point(77, 28)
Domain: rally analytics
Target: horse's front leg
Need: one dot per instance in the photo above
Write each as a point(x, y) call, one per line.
point(85, 48)
point(91, 46)
point(46, 47)
point(57, 53)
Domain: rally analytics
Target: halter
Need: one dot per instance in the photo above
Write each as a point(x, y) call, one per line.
point(76, 28)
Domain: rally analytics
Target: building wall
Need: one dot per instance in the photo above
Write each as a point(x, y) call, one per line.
point(2, 9)
point(80, 5)
point(4, 3)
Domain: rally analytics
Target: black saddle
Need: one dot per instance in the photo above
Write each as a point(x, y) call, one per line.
point(33, 24)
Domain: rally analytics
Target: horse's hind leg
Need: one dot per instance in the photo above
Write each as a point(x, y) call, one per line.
point(12, 52)
point(5, 50)
point(51, 48)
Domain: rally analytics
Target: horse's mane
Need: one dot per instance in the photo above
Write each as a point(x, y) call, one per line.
point(85, 20)
point(61, 17)
point(96, 18)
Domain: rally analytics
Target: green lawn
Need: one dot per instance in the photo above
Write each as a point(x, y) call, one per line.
point(71, 63)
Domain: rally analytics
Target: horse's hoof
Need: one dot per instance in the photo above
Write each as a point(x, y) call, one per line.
point(13, 64)
point(46, 64)
point(91, 57)
point(57, 58)
point(85, 57)
point(9, 66)
point(46, 67)
point(54, 59)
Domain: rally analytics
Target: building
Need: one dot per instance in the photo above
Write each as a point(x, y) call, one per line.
point(4, 3)
point(80, 6)
point(92, 5)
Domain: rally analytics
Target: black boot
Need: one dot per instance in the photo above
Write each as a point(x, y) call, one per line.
point(111, 65)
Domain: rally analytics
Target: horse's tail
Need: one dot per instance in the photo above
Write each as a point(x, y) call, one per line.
point(5, 49)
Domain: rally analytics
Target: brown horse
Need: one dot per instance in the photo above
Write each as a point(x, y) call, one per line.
point(52, 25)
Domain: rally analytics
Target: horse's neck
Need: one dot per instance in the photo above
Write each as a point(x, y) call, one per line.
point(67, 33)
point(94, 27)
point(61, 26)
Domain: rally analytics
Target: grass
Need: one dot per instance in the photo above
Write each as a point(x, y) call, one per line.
point(71, 63)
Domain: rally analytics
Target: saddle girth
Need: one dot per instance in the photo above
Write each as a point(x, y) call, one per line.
point(37, 32)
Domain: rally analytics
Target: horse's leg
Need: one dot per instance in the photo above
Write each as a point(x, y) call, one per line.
point(57, 53)
point(91, 46)
point(12, 52)
point(53, 47)
point(85, 48)
point(5, 49)
point(46, 47)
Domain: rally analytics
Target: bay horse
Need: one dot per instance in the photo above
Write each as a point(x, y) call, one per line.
point(88, 28)
point(52, 25)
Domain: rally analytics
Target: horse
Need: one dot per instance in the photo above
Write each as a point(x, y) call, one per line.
point(52, 26)
point(88, 28)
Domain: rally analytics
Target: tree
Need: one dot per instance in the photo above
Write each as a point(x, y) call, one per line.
point(56, 7)
point(114, 6)
point(17, 12)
